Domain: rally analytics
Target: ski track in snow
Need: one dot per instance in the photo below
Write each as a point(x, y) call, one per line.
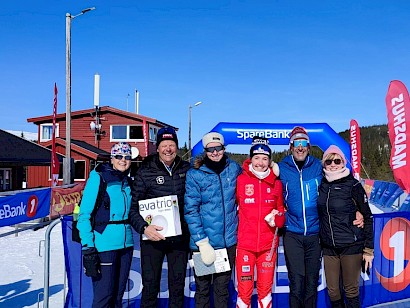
point(22, 268)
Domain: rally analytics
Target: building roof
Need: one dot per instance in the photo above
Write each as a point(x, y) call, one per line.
point(17, 151)
point(102, 110)
point(90, 148)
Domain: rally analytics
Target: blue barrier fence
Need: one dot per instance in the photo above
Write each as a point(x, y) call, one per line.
point(388, 281)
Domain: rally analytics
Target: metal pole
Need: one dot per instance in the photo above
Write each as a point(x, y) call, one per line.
point(47, 262)
point(189, 129)
point(189, 132)
point(67, 160)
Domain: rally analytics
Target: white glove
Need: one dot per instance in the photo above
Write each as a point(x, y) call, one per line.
point(270, 218)
point(207, 252)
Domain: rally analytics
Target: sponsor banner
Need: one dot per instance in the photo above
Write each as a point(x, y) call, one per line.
point(398, 116)
point(389, 278)
point(24, 206)
point(320, 134)
point(391, 267)
point(63, 200)
point(355, 148)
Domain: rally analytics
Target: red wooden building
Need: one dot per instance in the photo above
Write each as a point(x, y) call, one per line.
point(93, 132)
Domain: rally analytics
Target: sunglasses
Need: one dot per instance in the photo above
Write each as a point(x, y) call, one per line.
point(120, 157)
point(212, 149)
point(303, 143)
point(337, 161)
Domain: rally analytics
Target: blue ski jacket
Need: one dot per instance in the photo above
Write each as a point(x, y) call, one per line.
point(300, 193)
point(210, 205)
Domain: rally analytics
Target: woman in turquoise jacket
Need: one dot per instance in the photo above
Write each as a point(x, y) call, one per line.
point(105, 232)
point(211, 214)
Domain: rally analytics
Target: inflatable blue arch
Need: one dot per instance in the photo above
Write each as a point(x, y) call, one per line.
point(320, 134)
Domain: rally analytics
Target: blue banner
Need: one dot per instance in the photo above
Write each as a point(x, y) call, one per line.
point(320, 134)
point(24, 206)
point(389, 279)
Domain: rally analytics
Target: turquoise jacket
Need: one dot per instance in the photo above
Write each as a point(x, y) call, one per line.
point(115, 207)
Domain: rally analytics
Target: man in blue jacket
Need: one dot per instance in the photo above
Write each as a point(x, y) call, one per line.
point(301, 175)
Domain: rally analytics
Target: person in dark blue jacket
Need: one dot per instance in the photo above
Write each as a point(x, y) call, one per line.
point(212, 217)
point(106, 235)
point(301, 175)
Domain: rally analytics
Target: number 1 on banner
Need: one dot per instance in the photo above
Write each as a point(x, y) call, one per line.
point(397, 243)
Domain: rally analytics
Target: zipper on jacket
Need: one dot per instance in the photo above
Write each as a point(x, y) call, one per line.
point(303, 202)
point(223, 207)
point(124, 195)
point(259, 214)
point(328, 215)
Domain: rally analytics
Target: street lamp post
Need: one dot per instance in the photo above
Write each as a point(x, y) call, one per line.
point(189, 128)
point(67, 160)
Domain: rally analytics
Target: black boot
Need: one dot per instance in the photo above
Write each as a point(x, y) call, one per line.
point(353, 302)
point(338, 304)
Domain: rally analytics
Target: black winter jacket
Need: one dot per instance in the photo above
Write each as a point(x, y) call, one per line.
point(153, 180)
point(337, 204)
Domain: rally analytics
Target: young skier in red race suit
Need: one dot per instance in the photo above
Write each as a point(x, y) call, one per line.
point(261, 212)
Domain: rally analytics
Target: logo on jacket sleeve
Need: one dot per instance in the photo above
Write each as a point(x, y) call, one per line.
point(249, 189)
point(160, 180)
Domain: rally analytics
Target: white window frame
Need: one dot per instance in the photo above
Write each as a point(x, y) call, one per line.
point(127, 138)
point(48, 125)
point(10, 179)
point(156, 129)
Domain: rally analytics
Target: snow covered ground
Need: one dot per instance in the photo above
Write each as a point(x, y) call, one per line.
point(22, 268)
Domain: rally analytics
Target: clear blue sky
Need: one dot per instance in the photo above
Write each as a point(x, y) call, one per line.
point(248, 61)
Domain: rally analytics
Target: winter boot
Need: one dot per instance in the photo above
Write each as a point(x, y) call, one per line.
point(353, 302)
point(338, 304)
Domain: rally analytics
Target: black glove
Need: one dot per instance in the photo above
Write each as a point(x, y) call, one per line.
point(91, 262)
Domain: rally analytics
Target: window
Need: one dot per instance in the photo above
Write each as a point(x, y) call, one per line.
point(79, 170)
point(127, 132)
point(46, 131)
point(153, 130)
point(5, 179)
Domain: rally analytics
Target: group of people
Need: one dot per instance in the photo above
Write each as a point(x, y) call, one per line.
point(323, 209)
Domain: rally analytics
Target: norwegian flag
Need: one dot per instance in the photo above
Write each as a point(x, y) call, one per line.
point(55, 164)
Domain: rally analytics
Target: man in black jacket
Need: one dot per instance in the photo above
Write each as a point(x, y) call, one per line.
point(161, 174)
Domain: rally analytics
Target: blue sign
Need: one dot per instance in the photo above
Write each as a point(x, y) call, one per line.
point(24, 206)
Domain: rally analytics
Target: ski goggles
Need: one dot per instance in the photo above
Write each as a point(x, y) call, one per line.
point(302, 142)
point(120, 157)
point(337, 161)
point(212, 149)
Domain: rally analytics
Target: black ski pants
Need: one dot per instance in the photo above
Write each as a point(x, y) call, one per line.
point(220, 283)
point(152, 257)
point(303, 261)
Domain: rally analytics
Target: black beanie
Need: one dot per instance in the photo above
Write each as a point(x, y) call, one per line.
point(260, 145)
point(167, 133)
